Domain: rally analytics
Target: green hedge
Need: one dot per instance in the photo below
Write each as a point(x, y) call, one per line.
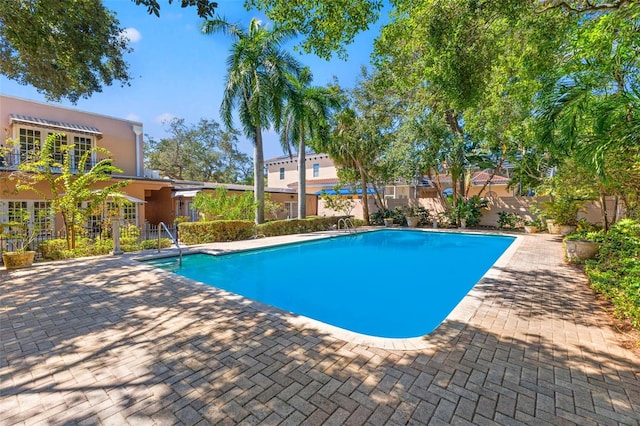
point(234, 230)
point(616, 271)
point(215, 231)
point(57, 249)
point(297, 226)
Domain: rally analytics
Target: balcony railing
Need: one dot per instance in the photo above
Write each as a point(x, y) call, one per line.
point(12, 160)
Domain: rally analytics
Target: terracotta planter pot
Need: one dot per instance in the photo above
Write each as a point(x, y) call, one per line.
point(577, 249)
point(412, 221)
point(388, 223)
point(530, 229)
point(552, 227)
point(13, 260)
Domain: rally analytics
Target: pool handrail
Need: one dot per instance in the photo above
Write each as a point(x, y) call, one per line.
point(348, 225)
point(174, 239)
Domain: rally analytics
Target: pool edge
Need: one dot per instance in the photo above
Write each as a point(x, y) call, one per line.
point(447, 330)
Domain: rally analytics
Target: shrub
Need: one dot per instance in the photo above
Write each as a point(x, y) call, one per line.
point(225, 206)
point(508, 220)
point(616, 272)
point(57, 249)
point(469, 210)
point(215, 231)
point(397, 214)
point(296, 226)
point(153, 244)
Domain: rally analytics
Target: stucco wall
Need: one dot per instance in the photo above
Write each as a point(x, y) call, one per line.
point(519, 205)
point(118, 136)
point(326, 170)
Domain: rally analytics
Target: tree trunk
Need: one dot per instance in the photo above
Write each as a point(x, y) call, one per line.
point(258, 175)
point(302, 179)
point(365, 196)
point(603, 209)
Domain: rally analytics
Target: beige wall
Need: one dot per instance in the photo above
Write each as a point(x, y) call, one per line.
point(118, 136)
point(518, 205)
point(326, 170)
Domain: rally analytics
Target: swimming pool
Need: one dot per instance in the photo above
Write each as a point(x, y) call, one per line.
point(388, 283)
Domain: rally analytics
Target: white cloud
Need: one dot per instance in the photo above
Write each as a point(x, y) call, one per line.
point(164, 118)
point(132, 35)
point(134, 117)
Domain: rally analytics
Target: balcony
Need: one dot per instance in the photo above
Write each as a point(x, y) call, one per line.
point(11, 161)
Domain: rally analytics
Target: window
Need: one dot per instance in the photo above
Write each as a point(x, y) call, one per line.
point(57, 147)
point(316, 170)
point(30, 140)
point(16, 211)
point(194, 215)
point(81, 145)
point(281, 173)
point(129, 213)
point(42, 218)
point(36, 214)
point(292, 209)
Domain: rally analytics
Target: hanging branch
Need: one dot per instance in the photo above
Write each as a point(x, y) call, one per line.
point(583, 6)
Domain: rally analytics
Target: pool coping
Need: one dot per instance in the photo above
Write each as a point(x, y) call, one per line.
point(448, 329)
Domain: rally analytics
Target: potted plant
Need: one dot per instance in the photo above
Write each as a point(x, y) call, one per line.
point(583, 245)
point(415, 215)
point(21, 238)
point(468, 212)
point(531, 226)
point(563, 212)
point(387, 218)
point(535, 223)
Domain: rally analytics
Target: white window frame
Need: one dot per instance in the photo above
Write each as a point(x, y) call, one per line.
point(46, 222)
point(28, 141)
point(291, 208)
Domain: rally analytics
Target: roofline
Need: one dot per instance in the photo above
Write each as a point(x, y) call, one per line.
point(139, 123)
point(293, 158)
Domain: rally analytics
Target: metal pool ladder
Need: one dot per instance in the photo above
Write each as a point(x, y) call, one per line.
point(348, 225)
point(174, 239)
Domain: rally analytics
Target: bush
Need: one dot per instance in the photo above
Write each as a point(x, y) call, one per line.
point(616, 272)
point(153, 244)
point(215, 231)
point(508, 220)
point(297, 226)
point(57, 249)
point(225, 206)
point(468, 210)
point(397, 214)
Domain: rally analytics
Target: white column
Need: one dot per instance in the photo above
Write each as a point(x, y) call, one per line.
point(138, 132)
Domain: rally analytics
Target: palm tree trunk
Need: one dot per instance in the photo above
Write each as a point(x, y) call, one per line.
point(302, 178)
point(365, 196)
point(258, 176)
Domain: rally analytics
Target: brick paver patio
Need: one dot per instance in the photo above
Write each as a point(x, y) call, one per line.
point(109, 341)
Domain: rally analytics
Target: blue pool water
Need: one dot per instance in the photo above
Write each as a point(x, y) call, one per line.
point(387, 283)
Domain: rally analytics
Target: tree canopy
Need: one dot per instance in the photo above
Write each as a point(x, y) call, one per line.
point(65, 49)
point(69, 49)
point(327, 25)
point(201, 152)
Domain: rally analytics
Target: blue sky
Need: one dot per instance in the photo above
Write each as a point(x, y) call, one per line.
point(178, 72)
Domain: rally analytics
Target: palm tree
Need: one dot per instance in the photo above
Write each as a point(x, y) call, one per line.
point(306, 115)
point(256, 85)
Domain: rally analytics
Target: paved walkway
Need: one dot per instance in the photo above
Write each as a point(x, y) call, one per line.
point(109, 341)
